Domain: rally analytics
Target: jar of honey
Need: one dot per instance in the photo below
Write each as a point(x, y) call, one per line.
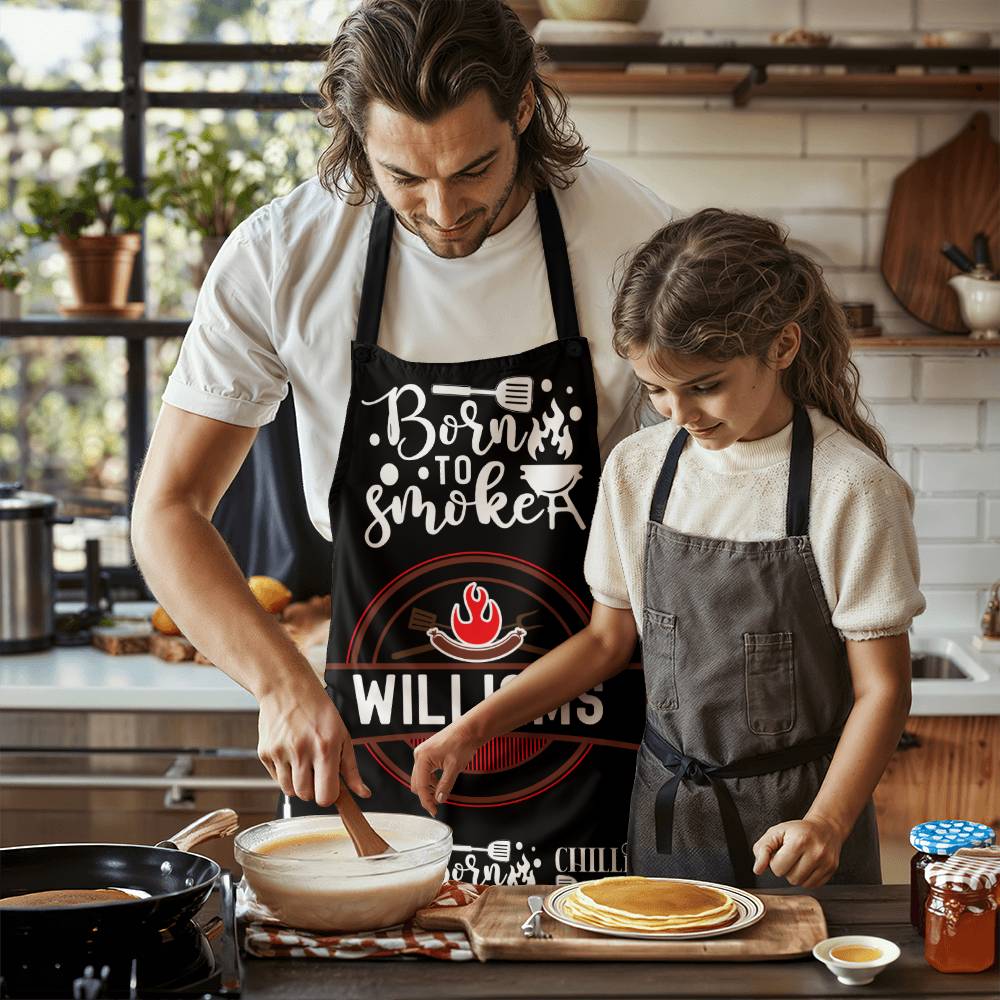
point(982, 859)
point(961, 919)
point(934, 841)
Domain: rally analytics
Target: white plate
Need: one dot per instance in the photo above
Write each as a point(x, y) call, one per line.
point(750, 907)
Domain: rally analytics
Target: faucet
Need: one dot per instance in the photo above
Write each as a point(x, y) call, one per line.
point(991, 616)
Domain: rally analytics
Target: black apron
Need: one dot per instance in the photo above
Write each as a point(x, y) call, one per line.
point(263, 516)
point(460, 508)
point(748, 688)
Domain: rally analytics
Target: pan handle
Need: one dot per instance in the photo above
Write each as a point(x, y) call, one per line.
point(221, 823)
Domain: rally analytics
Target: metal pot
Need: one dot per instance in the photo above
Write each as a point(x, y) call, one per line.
point(27, 578)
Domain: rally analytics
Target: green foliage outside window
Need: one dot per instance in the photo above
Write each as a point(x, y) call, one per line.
point(198, 184)
point(101, 198)
point(11, 275)
point(62, 414)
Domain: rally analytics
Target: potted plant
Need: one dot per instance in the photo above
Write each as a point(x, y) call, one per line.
point(208, 187)
point(11, 276)
point(100, 264)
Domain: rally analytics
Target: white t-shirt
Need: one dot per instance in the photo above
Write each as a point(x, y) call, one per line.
point(279, 305)
point(860, 519)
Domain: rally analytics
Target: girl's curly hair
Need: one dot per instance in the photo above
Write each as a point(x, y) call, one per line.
point(722, 285)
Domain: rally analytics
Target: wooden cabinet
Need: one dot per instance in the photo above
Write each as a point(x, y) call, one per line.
point(107, 801)
point(952, 771)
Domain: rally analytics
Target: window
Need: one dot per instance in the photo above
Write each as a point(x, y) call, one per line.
point(73, 44)
point(76, 410)
point(276, 22)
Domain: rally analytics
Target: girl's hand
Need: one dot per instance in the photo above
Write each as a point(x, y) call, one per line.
point(445, 753)
point(804, 851)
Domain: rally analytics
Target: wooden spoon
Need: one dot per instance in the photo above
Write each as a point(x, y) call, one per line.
point(366, 841)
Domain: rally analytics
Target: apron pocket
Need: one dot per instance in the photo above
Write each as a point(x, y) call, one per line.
point(659, 654)
point(770, 681)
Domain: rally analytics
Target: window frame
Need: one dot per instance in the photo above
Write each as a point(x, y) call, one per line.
point(134, 100)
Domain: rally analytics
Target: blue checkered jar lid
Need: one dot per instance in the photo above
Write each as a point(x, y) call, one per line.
point(945, 836)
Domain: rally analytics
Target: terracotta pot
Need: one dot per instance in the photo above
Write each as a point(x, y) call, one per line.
point(100, 267)
point(210, 246)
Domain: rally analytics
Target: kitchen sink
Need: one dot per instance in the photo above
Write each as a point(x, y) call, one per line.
point(927, 666)
point(943, 659)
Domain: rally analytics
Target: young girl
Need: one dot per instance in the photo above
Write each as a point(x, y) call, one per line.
point(762, 547)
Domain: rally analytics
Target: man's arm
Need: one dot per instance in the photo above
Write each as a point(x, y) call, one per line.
point(190, 463)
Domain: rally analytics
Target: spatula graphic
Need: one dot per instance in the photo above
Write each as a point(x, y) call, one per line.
point(498, 850)
point(512, 394)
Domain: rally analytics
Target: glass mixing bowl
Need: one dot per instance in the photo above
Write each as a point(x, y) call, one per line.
point(343, 892)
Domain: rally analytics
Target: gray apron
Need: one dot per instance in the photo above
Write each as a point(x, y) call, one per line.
point(747, 690)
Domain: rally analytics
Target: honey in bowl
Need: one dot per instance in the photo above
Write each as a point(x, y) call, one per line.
point(855, 953)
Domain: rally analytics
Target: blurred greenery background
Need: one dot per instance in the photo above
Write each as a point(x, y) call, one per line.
point(62, 411)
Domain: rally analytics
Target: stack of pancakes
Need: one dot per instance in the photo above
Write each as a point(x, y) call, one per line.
point(649, 906)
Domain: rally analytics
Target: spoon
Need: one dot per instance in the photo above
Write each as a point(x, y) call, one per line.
point(366, 841)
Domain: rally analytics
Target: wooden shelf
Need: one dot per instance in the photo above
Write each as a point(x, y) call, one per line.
point(978, 86)
point(744, 72)
point(142, 329)
point(97, 326)
point(944, 341)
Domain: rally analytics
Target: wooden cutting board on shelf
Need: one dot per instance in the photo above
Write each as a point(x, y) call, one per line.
point(790, 927)
point(946, 196)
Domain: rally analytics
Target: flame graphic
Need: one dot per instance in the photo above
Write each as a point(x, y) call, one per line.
point(478, 629)
point(553, 430)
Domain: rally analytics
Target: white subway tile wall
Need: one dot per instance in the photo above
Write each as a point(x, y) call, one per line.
point(858, 15)
point(825, 170)
point(993, 519)
point(992, 424)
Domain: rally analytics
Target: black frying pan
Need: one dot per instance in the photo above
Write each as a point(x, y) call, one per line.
point(177, 883)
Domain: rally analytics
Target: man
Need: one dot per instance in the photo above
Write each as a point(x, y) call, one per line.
point(439, 300)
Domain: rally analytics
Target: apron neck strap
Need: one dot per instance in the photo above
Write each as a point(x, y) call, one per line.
point(376, 268)
point(556, 265)
point(799, 476)
point(665, 480)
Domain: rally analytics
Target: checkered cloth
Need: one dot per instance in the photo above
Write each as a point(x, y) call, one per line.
point(266, 937)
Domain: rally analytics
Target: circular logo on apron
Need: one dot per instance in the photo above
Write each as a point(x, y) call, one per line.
point(443, 636)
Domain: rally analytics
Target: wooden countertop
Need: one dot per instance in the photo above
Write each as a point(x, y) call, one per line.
point(879, 910)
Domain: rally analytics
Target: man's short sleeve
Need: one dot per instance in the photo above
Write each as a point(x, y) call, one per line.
point(228, 367)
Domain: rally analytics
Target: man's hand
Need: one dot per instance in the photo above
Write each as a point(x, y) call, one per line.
point(305, 745)
point(445, 753)
point(804, 851)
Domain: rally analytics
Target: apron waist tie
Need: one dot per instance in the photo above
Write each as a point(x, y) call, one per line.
point(690, 769)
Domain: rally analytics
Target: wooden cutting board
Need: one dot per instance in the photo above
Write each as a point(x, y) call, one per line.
point(948, 195)
point(789, 928)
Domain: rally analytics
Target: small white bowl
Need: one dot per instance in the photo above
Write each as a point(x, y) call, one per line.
point(856, 973)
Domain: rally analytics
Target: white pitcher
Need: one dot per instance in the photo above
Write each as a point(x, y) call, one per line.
point(979, 301)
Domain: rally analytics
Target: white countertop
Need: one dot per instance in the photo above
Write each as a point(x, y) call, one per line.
point(85, 679)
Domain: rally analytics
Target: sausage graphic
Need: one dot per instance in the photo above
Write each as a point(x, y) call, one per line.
point(495, 650)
